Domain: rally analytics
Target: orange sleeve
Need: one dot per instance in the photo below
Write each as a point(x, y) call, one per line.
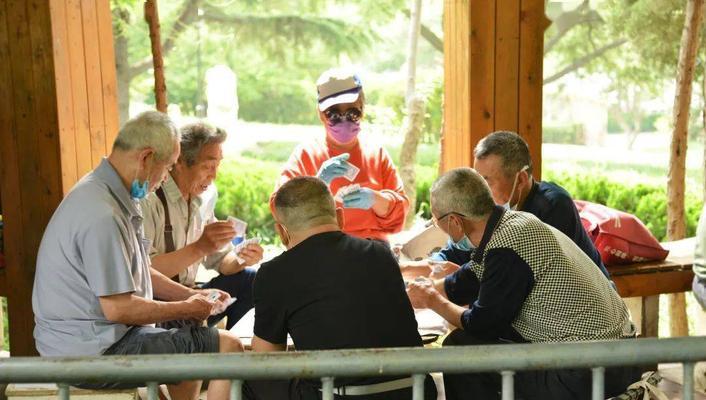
point(393, 222)
point(301, 163)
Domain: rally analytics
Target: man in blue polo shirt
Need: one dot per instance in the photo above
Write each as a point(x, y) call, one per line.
point(503, 160)
point(526, 282)
point(94, 288)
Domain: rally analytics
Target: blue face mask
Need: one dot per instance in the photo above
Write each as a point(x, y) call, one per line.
point(463, 245)
point(138, 191)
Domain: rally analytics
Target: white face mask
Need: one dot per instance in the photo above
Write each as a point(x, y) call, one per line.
point(512, 192)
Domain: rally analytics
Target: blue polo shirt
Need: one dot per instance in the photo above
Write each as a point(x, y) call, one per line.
point(93, 246)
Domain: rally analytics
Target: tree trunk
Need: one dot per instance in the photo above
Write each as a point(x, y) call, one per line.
point(703, 117)
point(414, 121)
point(676, 226)
point(122, 65)
point(160, 86)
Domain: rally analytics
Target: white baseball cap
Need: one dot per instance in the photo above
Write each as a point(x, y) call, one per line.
point(337, 86)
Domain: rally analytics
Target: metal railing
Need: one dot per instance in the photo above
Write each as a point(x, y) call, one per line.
point(326, 365)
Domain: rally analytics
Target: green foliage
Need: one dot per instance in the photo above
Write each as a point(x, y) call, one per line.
point(271, 151)
point(245, 184)
point(647, 123)
point(647, 202)
point(425, 177)
point(244, 188)
point(563, 134)
point(433, 117)
point(267, 95)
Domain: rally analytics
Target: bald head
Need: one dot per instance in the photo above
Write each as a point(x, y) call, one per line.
point(303, 203)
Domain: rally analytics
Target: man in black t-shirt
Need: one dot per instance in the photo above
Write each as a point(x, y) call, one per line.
point(329, 290)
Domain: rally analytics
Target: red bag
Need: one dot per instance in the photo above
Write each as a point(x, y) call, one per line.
point(620, 238)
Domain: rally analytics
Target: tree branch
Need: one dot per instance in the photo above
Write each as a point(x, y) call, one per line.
point(435, 41)
point(569, 20)
point(582, 61)
point(186, 17)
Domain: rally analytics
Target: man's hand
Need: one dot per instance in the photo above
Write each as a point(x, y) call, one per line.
point(252, 254)
point(198, 307)
point(413, 269)
point(421, 293)
point(440, 269)
point(222, 296)
point(215, 235)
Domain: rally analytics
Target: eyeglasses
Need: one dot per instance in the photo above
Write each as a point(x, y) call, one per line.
point(335, 117)
point(436, 221)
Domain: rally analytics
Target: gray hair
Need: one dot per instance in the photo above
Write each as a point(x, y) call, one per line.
point(196, 135)
point(304, 202)
point(151, 129)
point(510, 147)
point(462, 191)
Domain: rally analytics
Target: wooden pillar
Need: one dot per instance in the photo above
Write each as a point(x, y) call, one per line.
point(58, 117)
point(493, 58)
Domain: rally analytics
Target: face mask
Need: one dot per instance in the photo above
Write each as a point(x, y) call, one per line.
point(464, 244)
point(138, 191)
point(344, 131)
point(512, 192)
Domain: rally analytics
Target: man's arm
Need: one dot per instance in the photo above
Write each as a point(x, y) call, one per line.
point(166, 289)
point(128, 309)
point(252, 254)
point(171, 264)
point(262, 345)
point(432, 295)
point(215, 235)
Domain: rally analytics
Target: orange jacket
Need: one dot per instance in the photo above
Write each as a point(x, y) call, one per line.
point(377, 172)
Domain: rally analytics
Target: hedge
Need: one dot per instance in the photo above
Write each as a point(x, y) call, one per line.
point(245, 185)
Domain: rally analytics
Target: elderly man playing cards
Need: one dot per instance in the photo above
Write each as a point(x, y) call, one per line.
point(360, 175)
point(179, 222)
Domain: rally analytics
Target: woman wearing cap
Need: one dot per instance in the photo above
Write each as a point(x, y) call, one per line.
point(379, 206)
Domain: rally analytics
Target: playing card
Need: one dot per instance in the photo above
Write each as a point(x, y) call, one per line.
point(351, 172)
point(239, 225)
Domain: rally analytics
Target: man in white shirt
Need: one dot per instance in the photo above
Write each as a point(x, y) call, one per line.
point(187, 235)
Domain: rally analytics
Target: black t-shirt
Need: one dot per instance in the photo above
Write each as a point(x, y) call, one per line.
point(334, 291)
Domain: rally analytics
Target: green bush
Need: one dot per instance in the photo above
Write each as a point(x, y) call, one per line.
point(647, 122)
point(245, 185)
point(425, 177)
point(244, 188)
point(647, 202)
point(270, 151)
point(268, 95)
point(563, 134)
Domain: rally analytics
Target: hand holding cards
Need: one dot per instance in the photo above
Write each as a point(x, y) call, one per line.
point(336, 167)
point(342, 192)
point(242, 245)
point(219, 306)
point(240, 228)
